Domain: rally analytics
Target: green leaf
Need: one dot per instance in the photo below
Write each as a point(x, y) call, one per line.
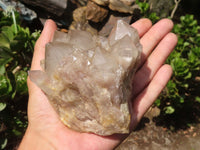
point(2, 69)
point(171, 87)
point(188, 76)
point(181, 100)
point(169, 110)
point(4, 41)
point(3, 145)
point(17, 45)
point(153, 17)
point(17, 132)
point(5, 86)
point(9, 32)
point(2, 106)
point(185, 44)
point(12, 88)
point(157, 102)
point(35, 35)
point(5, 53)
point(197, 99)
point(21, 82)
point(3, 62)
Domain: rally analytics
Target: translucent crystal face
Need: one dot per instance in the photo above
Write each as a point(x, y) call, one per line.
point(88, 79)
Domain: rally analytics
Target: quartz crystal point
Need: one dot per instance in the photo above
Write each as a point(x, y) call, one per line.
point(88, 79)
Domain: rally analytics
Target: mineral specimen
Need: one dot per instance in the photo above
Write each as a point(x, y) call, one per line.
point(95, 12)
point(88, 78)
point(80, 22)
point(125, 6)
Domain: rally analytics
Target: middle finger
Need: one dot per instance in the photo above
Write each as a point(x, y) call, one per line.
point(150, 40)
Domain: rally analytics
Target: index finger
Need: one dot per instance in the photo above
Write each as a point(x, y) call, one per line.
point(142, 26)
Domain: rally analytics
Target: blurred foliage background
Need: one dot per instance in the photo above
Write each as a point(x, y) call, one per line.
point(180, 99)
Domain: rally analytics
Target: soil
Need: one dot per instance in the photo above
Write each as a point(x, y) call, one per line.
point(150, 136)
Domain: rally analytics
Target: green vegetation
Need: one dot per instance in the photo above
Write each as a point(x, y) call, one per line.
point(16, 49)
point(181, 98)
point(145, 11)
point(182, 92)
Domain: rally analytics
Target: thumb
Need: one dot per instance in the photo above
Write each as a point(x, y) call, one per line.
point(39, 51)
point(45, 37)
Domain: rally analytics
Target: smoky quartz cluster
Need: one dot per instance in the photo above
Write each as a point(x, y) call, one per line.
point(88, 78)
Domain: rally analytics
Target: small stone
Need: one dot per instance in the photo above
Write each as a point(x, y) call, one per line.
point(167, 141)
point(102, 2)
point(79, 14)
point(194, 134)
point(124, 6)
point(56, 7)
point(80, 22)
point(95, 12)
point(64, 30)
point(79, 2)
point(88, 78)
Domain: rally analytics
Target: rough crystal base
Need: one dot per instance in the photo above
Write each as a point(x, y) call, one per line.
point(88, 79)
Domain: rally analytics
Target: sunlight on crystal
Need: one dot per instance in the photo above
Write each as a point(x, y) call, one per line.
point(88, 78)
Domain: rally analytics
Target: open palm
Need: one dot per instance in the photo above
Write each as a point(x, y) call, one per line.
point(46, 131)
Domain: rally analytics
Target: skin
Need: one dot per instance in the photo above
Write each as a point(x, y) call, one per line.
point(46, 131)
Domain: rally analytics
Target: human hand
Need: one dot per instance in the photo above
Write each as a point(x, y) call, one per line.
point(46, 131)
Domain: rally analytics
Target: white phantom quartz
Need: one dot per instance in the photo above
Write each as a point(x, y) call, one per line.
point(88, 78)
